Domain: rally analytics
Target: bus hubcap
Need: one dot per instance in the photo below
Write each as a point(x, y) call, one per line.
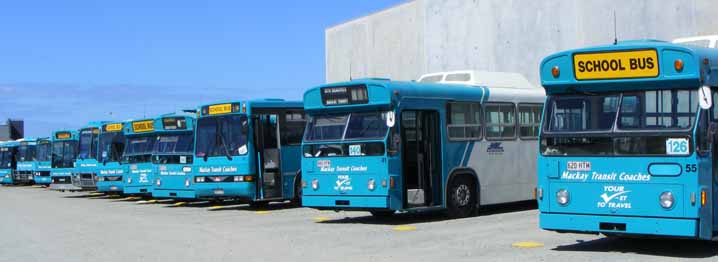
point(462, 195)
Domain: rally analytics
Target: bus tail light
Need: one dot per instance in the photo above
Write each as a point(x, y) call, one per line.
point(678, 65)
point(538, 193)
point(186, 182)
point(315, 184)
point(383, 182)
point(371, 185)
point(304, 183)
point(703, 197)
point(391, 182)
point(243, 178)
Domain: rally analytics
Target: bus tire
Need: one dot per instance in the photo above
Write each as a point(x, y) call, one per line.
point(382, 214)
point(297, 200)
point(461, 197)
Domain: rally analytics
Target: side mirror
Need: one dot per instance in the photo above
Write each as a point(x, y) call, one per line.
point(705, 98)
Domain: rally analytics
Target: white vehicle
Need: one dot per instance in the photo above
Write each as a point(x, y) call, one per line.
point(710, 41)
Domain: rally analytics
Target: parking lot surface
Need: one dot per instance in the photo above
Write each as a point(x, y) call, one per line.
point(42, 225)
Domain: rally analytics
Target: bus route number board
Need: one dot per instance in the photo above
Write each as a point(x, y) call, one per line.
point(220, 109)
point(677, 146)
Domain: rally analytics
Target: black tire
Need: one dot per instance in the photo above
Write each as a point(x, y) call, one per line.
point(297, 200)
point(382, 214)
point(461, 197)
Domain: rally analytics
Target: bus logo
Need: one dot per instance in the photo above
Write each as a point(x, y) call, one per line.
point(343, 183)
point(578, 166)
point(495, 148)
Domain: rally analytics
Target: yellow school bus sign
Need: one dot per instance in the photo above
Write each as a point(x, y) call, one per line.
point(616, 65)
point(143, 126)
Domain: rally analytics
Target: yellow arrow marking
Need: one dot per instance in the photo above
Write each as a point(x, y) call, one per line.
point(179, 204)
point(527, 244)
point(262, 212)
point(321, 219)
point(215, 207)
point(97, 194)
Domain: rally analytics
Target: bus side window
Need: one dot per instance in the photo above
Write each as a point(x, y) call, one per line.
point(464, 121)
point(703, 141)
point(529, 120)
point(500, 121)
point(292, 128)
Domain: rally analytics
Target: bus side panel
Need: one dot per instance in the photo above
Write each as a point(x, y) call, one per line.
point(705, 213)
point(504, 177)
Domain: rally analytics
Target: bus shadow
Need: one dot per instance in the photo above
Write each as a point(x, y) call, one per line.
point(430, 216)
point(677, 248)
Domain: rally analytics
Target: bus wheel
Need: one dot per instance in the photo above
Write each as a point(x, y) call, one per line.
point(297, 200)
point(461, 197)
point(382, 214)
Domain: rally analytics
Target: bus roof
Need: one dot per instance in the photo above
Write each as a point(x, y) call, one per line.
point(9, 144)
point(381, 92)
point(559, 71)
point(261, 103)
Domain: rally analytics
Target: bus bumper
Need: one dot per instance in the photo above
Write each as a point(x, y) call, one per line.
point(173, 193)
point(63, 187)
point(346, 202)
point(110, 187)
point(224, 190)
point(137, 190)
point(6, 180)
point(592, 224)
point(43, 180)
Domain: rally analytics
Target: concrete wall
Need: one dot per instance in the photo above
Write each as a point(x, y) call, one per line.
point(423, 36)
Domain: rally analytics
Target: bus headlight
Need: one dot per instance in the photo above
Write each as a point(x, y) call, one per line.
point(100, 178)
point(666, 200)
point(562, 197)
point(199, 179)
point(159, 182)
point(129, 180)
point(187, 169)
point(186, 182)
point(371, 185)
point(315, 184)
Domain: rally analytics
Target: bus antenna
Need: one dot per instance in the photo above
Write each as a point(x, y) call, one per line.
point(350, 70)
point(615, 34)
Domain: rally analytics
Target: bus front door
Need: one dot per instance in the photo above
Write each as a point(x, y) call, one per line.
point(266, 130)
point(421, 159)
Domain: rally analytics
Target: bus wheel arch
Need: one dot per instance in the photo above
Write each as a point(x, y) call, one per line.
point(297, 199)
point(462, 193)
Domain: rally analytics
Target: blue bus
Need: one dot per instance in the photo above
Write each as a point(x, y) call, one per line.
point(8, 161)
point(26, 162)
point(141, 138)
point(62, 163)
point(248, 150)
point(384, 146)
point(628, 141)
point(43, 157)
point(110, 170)
point(88, 156)
point(172, 156)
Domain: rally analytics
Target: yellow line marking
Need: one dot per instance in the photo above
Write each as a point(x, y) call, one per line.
point(97, 194)
point(130, 198)
point(262, 212)
point(215, 207)
point(404, 228)
point(179, 204)
point(527, 244)
point(321, 219)
point(37, 186)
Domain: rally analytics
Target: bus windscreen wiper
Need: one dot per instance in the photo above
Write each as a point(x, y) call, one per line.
point(222, 140)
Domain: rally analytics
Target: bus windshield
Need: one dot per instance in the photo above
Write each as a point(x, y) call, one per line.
point(112, 145)
point(350, 126)
point(222, 136)
point(64, 154)
point(628, 123)
point(6, 156)
point(88, 140)
point(174, 144)
point(139, 149)
point(26, 153)
point(43, 151)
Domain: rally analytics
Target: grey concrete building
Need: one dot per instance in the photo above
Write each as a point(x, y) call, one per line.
point(12, 129)
point(422, 36)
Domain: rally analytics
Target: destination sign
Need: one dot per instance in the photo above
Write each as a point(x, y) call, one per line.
point(616, 65)
point(143, 126)
point(116, 127)
point(220, 109)
point(174, 123)
point(344, 95)
point(62, 135)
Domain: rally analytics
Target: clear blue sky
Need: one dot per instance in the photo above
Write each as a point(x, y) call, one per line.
point(64, 63)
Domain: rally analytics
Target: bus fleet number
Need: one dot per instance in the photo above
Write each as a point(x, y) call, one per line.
point(677, 146)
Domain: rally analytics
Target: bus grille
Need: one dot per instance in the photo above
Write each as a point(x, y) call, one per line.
point(61, 180)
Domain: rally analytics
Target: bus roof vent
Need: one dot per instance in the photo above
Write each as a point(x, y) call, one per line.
point(273, 99)
point(479, 78)
point(373, 79)
point(710, 41)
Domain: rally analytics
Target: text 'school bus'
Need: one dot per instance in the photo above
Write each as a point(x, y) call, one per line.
point(88, 157)
point(110, 170)
point(172, 156)
point(64, 154)
point(8, 160)
point(627, 145)
point(381, 146)
point(43, 155)
point(248, 150)
point(141, 138)
point(26, 162)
